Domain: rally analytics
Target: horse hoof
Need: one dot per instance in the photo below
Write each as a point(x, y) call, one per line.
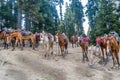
point(45, 55)
point(12, 49)
point(34, 49)
point(91, 65)
point(113, 67)
point(51, 53)
point(63, 56)
point(118, 67)
point(83, 61)
point(87, 60)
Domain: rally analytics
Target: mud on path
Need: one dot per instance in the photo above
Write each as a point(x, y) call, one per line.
point(31, 65)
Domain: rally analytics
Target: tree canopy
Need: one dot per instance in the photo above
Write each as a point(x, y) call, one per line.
point(103, 17)
point(39, 15)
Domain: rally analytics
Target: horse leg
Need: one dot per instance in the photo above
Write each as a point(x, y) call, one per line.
point(15, 44)
point(117, 58)
point(30, 43)
point(86, 55)
point(62, 51)
point(33, 44)
point(77, 44)
point(21, 44)
point(72, 45)
point(66, 46)
point(51, 47)
point(113, 58)
point(5, 45)
point(83, 55)
point(103, 54)
point(86, 51)
point(45, 47)
point(46, 50)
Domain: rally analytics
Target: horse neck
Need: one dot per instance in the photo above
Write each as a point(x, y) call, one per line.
point(60, 38)
point(113, 41)
point(2, 35)
point(56, 38)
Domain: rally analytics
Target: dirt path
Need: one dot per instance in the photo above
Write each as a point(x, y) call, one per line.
point(31, 65)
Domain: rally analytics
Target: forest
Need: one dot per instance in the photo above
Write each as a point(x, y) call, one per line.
point(39, 15)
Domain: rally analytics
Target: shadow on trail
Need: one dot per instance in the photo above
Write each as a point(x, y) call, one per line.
point(94, 74)
point(45, 71)
point(16, 75)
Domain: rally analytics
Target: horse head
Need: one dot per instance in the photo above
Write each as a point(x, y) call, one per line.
point(8, 38)
point(111, 43)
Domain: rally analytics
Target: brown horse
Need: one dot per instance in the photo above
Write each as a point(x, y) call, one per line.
point(30, 37)
point(63, 43)
point(102, 42)
point(84, 47)
point(74, 40)
point(3, 37)
point(17, 35)
point(113, 48)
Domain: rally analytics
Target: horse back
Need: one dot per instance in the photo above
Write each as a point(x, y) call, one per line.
point(3, 35)
point(74, 38)
point(63, 41)
point(27, 37)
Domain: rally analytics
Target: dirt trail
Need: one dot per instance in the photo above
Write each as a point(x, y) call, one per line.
point(31, 65)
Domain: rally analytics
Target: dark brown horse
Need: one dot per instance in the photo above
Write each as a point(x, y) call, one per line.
point(74, 40)
point(113, 48)
point(63, 43)
point(84, 46)
point(17, 35)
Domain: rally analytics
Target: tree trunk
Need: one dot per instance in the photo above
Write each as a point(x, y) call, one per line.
point(19, 17)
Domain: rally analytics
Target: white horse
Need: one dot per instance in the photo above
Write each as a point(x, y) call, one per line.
point(41, 40)
point(57, 45)
point(48, 44)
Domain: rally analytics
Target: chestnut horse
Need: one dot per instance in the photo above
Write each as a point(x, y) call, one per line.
point(74, 40)
point(18, 36)
point(3, 37)
point(113, 48)
point(30, 37)
point(84, 46)
point(102, 42)
point(63, 43)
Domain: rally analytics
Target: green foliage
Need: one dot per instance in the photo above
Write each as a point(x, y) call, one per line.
point(36, 13)
point(6, 13)
point(102, 17)
point(74, 18)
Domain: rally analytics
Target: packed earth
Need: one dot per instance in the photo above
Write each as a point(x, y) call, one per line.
point(30, 64)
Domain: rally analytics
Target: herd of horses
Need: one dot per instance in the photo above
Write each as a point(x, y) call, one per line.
point(15, 37)
point(108, 45)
